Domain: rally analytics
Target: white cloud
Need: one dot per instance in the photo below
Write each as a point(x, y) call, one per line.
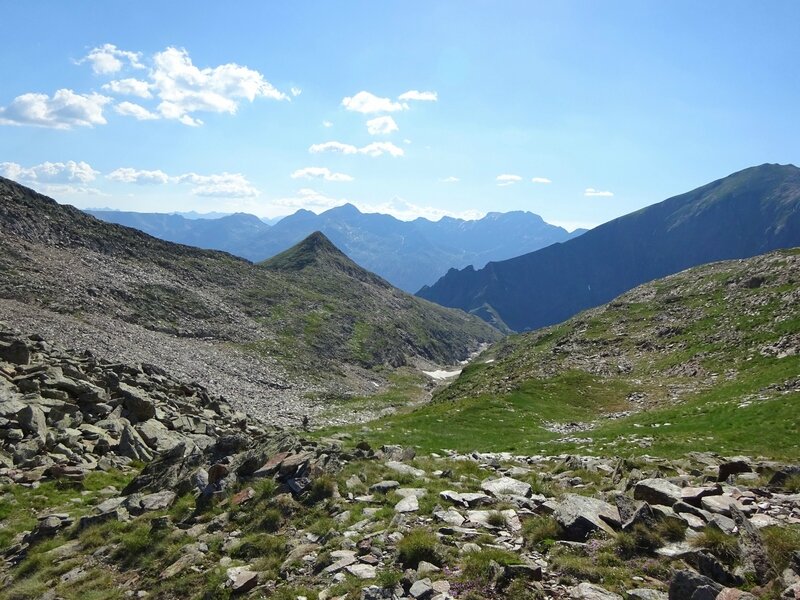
point(333, 147)
point(406, 141)
point(64, 110)
point(138, 112)
point(108, 59)
point(185, 89)
point(593, 193)
point(381, 125)
point(416, 95)
point(320, 173)
point(507, 179)
point(129, 175)
point(373, 149)
point(327, 124)
point(129, 87)
point(61, 189)
point(541, 180)
point(309, 199)
point(49, 172)
point(408, 211)
point(573, 225)
point(380, 148)
point(365, 102)
point(223, 185)
point(296, 91)
point(218, 185)
point(450, 179)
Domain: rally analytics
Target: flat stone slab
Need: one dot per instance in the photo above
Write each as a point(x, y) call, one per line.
point(721, 504)
point(406, 492)
point(404, 469)
point(407, 504)
point(657, 491)
point(362, 571)
point(590, 591)
point(506, 486)
point(467, 500)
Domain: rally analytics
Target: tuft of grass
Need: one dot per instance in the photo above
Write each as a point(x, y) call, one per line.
point(322, 488)
point(477, 566)
point(722, 545)
point(540, 532)
point(640, 541)
point(781, 542)
point(792, 484)
point(417, 545)
point(496, 519)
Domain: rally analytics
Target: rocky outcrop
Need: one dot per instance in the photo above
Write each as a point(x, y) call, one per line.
point(63, 414)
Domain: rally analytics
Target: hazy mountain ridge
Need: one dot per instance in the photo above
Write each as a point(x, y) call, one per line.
point(747, 213)
point(408, 254)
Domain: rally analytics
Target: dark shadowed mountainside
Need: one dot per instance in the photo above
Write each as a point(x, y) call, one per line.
point(748, 213)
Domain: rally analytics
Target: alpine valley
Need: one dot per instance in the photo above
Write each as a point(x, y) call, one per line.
point(178, 422)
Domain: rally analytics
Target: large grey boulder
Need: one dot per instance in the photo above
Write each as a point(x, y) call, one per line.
point(137, 402)
point(657, 491)
point(506, 486)
point(157, 436)
point(32, 420)
point(580, 516)
point(688, 585)
point(132, 445)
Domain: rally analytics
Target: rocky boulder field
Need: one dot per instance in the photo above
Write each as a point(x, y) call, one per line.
point(119, 481)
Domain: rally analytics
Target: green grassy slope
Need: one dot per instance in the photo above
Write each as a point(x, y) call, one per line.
point(707, 359)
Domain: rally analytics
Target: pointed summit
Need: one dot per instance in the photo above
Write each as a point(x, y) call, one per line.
point(319, 252)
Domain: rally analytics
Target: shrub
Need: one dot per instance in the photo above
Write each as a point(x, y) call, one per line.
point(417, 545)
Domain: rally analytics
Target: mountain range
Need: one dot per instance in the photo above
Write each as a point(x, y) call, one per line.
point(747, 213)
point(408, 254)
point(308, 324)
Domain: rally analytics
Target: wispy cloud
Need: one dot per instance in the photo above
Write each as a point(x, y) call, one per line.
point(507, 179)
point(541, 180)
point(381, 125)
point(373, 149)
point(450, 179)
point(141, 177)
point(367, 103)
point(129, 87)
point(138, 112)
point(593, 193)
point(108, 59)
point(320, 173)
point(417, 95)
point(216, 185)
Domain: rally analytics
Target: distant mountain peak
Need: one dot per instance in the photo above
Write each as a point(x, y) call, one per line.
point(314, 250)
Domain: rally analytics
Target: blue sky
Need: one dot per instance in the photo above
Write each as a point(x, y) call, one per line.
point(432, 108)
